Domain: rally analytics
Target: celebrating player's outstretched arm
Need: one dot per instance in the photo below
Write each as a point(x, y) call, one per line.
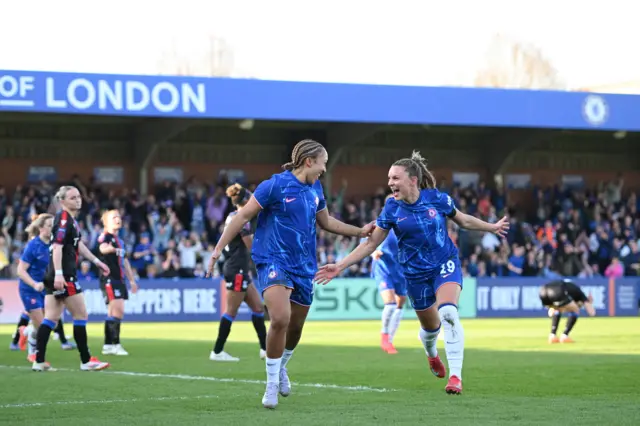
point(248, 212)
point(328, 272)
point(466, 221)
point(333, 225)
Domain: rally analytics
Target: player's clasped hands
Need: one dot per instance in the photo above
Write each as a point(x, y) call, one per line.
point(367, 229)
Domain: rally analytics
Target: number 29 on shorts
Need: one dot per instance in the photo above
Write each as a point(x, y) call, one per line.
point(447, 268)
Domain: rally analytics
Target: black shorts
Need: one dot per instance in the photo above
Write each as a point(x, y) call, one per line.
point(554, 296)
point(71, 289)
point(238, 281)
point(112, 290)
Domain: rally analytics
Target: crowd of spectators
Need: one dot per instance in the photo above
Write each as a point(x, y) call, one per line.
point(171, 233)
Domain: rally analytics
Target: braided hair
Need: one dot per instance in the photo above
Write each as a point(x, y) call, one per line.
point(416, 166)
point(307, 148)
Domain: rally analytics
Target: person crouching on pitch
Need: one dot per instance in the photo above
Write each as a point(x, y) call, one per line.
point(564, 296)
point(113, 286)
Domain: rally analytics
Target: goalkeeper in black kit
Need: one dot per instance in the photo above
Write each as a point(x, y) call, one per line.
point(564, 297)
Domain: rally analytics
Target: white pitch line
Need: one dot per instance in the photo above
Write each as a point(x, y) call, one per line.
point(107, 401)
point(223, 380)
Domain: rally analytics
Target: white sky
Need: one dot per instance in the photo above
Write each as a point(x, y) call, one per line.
point(409, 42)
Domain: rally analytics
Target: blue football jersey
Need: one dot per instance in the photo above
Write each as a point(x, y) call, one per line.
point(286, 228)
point(387, 265)
point(36, 254)
point(421, 228)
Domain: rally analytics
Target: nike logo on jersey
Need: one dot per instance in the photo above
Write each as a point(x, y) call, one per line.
point(288, 200)
point(401, 219)
point(445, 276)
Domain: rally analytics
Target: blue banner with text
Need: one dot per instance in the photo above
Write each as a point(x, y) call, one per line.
point(519, 297)
point(232, 98)
point(161, 300)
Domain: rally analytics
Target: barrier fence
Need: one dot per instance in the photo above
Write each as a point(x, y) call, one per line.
point(165, 300)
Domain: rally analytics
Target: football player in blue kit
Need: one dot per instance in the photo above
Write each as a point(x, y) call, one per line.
point(387, 273)
point(31, 269)
point(418, 214)
point(288, 205)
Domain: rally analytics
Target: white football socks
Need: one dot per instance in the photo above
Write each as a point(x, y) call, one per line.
point(286, 356)
point(387, 312)
point(273, 370)
point(429, 339)
point(31, 347)
point(394, 323)
point(453, 339)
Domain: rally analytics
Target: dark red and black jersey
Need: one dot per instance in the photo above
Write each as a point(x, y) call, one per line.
point(115, 261)
point(236, 254)
point(65, 232)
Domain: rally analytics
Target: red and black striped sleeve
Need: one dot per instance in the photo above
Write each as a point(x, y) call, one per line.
point(105, 237)
point(61, 224)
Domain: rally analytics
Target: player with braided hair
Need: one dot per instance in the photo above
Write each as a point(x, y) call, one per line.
point(418, 214)
point(288, 206)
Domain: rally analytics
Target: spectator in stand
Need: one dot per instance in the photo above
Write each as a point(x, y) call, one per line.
point(143, 256)
point(577, 231)
point(85, 273)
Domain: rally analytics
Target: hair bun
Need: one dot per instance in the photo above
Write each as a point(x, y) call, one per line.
point(234, 190)
point(415, 156)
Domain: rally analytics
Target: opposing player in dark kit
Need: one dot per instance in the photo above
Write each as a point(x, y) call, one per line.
point(61, 282)
point(564, 296)
point(238, 283)
point(113, 286)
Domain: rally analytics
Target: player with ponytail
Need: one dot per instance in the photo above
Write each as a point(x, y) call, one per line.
point(238, 282)
point(417, 213)
point(61, 282)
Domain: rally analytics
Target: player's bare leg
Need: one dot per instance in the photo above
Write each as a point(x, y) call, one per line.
point(276, 298)
point(294, 333)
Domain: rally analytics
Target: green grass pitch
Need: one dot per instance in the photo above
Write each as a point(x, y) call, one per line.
point(341, 377)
